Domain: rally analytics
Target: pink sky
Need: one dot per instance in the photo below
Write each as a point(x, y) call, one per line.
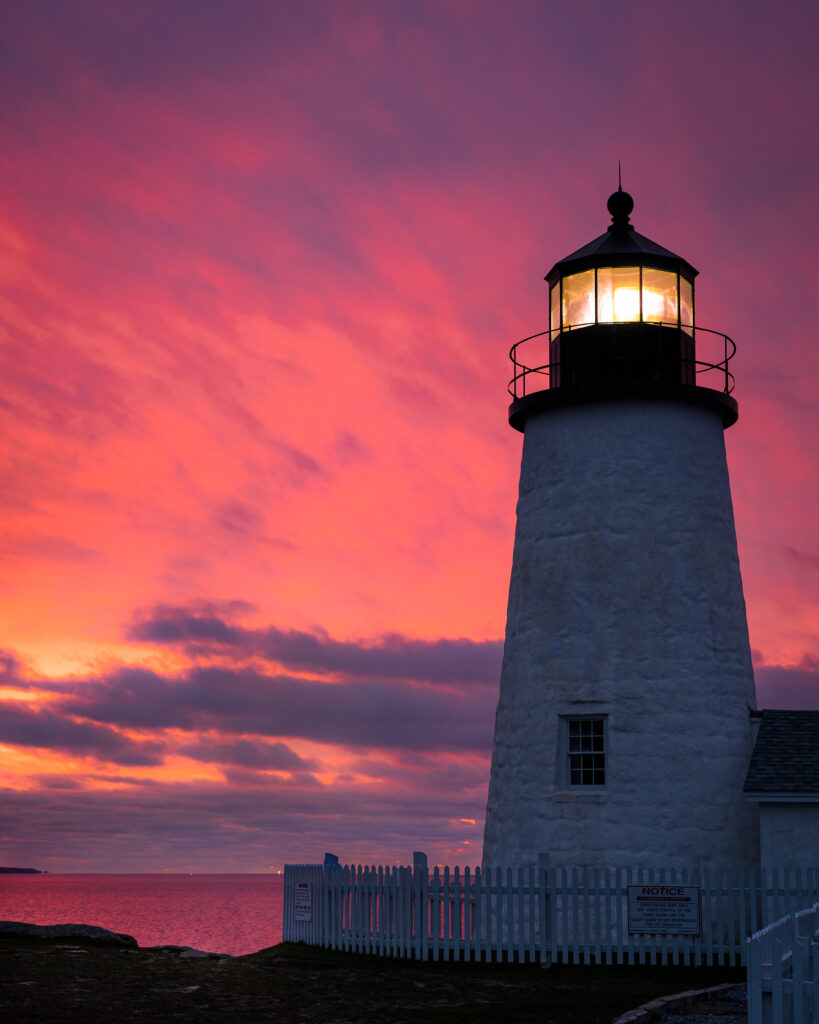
point(261, 268)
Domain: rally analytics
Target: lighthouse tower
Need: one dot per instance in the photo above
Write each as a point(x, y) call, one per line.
point(623, 729)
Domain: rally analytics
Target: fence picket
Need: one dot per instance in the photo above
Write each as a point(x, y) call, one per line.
point(631, 952)
point(620, 935)
point(491, 909)
point(520, 922)
point(478, 912)
point(496, 914)
point(443, 912)
point(800, 956)
point(510, 916)
point(777, 988)
point(708, 915)
point(742, 918)
point(719, 917)
point(468, 909)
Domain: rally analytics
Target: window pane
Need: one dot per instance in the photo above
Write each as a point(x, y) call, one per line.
point(686, 305)
point(659, 296)
point(578, 299)
point(618, 294)
point(554, 315)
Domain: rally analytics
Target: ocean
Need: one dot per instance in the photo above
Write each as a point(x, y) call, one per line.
point(233, 914)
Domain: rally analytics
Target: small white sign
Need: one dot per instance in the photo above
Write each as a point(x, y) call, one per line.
point(664, 909)
point(303, 905)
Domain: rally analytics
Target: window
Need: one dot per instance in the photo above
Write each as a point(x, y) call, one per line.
point(554, 310)
point(659, 296)
point(687, 305)
point(578, 299)
point(585, 747)
point(618, 295)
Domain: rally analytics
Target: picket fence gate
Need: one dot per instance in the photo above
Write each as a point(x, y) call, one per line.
point(534, 914)
point(783, 971)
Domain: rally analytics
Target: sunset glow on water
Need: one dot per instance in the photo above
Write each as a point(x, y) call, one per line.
point(234, 914)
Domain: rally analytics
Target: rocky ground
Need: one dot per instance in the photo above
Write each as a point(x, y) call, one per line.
point(73, 979)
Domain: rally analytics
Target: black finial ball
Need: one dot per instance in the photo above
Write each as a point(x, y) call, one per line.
point(620, 205)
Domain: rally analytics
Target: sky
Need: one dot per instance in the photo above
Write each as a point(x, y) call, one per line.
point(261, 265)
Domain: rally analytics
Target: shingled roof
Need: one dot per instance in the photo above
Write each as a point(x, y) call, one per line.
point(786, 755)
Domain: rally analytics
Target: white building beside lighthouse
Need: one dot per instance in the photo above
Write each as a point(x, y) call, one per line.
point(623, 732)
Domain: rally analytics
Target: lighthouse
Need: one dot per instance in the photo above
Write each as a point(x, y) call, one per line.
point(623, 730)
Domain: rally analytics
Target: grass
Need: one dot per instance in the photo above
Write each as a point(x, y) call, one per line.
point(374, 989)
point(295, 984)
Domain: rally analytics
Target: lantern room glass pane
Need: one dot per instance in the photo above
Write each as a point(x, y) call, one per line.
point(686, 305)
point(659, 296)
point(618, 295)
point(554, 313)
point(578, 299)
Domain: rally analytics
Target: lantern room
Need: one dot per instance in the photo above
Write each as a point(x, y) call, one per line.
point(621, 277)
point(621, 310)
point(620, 324)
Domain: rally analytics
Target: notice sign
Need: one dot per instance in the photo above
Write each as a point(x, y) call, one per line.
point(664, 909)
point(303, 906)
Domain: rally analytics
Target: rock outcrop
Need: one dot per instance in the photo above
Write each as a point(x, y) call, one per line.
point(66, 931)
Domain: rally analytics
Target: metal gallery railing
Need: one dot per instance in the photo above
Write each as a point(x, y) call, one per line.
point(532, 373)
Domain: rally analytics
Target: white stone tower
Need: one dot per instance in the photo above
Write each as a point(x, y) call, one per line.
point(623, 732)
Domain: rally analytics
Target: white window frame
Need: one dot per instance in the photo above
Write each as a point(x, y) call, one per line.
point(566, 753)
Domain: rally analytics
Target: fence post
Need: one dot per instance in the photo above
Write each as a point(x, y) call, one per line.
point(330, 924)
point(303, 903)
point(420, 878)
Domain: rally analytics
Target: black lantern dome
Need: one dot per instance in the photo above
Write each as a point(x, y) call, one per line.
point(621, 324)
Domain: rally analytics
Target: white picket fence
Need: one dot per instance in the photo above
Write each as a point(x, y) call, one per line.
point(783, 971)
point(542, 913)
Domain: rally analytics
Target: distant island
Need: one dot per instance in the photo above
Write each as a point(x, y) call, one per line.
point(21, 871)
